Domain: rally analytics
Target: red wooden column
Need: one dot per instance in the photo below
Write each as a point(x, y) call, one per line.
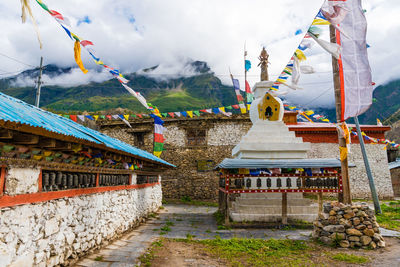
point(2, 179)
point(40, 183)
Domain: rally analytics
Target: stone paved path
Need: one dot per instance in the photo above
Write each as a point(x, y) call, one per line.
point(187, 220)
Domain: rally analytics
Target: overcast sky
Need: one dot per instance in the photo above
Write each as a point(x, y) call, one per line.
point(135, 34)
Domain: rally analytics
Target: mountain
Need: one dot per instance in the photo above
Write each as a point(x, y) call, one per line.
point(200, 89)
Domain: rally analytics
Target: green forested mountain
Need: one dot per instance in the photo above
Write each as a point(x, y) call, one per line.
point(201, 90)
point(386, 102)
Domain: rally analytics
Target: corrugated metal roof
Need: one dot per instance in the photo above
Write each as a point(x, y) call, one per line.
point(15, 110)
point(394, 164)
point(283, 163)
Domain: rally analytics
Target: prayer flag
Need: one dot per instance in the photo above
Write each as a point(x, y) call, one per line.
point(247, 64)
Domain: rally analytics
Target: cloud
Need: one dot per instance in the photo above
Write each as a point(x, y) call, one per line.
point(71, 78)
point(133, 34)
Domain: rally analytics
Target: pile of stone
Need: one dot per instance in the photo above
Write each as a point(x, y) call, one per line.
point(347, 226)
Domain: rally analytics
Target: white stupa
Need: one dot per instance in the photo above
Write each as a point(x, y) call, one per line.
point(269, 139)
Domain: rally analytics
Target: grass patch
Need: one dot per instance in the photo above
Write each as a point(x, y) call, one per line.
point(219, 217)
point(165, 228)
point(188, 201)
point(169, 223)
point(390, 217)
point(350, 258)
point(148, 256)
point(99, 258)
point(258, 252)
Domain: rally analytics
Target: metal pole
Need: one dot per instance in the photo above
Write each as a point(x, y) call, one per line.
point(368, 169)
point(39, 83)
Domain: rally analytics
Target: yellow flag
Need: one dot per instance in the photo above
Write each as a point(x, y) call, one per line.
point(95, 117)
point(300, 55)
point(77, 55)
point(222, 109)
point(157, 153)
point(243, 110)
point(320, 22)
point(126, 117)
point(343, 153)
point(190, 113)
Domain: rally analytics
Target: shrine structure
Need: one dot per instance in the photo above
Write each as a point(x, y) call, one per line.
point(271, 161)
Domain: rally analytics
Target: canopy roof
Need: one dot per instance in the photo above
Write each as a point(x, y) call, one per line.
point(282, 163)
point(18, 115)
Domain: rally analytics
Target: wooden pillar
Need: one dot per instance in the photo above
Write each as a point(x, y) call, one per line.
point(284, 209)
point(226, 200)
point(344, 197)
point(2, 179)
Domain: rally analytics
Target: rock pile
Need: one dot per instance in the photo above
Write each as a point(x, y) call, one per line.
point(347, 226)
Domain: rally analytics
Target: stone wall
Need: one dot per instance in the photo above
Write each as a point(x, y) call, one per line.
point(348, 226)
point(222, 135)
point(58, 231)
point(359, 185)
point(395, 174)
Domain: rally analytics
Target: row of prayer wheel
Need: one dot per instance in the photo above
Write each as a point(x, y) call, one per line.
point(54, 181)
point(240, 183)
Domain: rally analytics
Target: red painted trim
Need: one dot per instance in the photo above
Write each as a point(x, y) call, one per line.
point(9, 201)
point(2, 179)
point(97, 179)
point(40, 181)
point(341, 76)
point(315, 190)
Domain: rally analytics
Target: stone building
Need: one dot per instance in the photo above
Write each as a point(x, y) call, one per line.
point(66, 189)
point(394, 167)
point(195, 145)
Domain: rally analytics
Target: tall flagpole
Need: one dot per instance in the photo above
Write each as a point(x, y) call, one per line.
point(344, 197)
point(245, 74)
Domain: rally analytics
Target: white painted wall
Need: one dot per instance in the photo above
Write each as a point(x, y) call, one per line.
point(54, 232)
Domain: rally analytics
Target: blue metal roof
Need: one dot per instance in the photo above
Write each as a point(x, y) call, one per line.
point(15, 110)
point(280, 163)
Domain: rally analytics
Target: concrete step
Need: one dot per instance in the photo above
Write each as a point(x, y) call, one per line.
point(239, 217)
point(252, 209)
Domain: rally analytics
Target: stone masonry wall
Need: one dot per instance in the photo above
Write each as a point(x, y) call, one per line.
point(222, 135)
point(359, 185)
point(58, 231)
point(347, 226)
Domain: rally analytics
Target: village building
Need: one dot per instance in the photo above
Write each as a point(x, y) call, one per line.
point(394, 167)
point(196, 145)
point(66, 189)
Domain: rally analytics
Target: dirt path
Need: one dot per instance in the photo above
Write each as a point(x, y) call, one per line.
point(183, 221)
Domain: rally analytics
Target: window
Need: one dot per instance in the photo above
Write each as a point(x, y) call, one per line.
point(196, 137)
point(139, 138)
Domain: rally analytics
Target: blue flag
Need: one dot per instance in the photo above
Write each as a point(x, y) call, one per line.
point(236, 85)
point(247, 65)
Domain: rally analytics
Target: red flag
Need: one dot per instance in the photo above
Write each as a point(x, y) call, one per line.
point(108, 117)
point(171, 114)
point(235, 106)
point(248, 89)
point(158, 138)
point(139, 115)
point(73, 117)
